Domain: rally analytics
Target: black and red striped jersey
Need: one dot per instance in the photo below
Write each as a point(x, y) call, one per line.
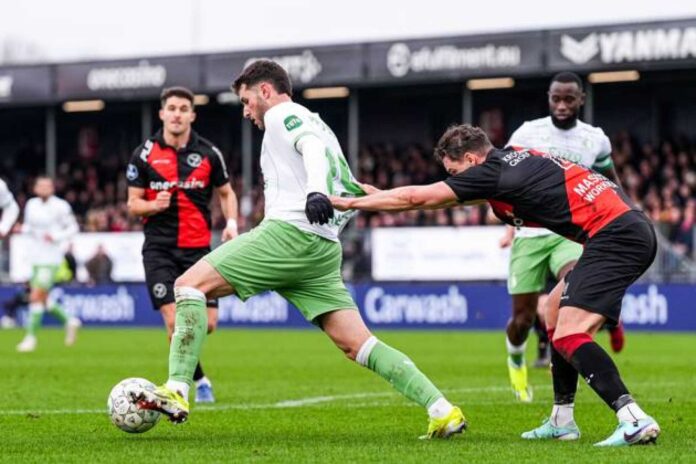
point(534, 189)
point(189, 174)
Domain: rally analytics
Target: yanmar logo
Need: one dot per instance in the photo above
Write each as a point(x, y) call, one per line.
point(190, 184)
point(631, 46)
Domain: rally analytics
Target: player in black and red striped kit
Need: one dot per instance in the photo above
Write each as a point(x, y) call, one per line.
point(171, 180)
point(530, 188)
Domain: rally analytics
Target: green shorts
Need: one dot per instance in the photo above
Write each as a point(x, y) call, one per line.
point(44, 276)
point(302, 267)
point(532, 258)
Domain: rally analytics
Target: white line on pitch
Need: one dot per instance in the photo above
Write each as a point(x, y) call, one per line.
point(303, 402)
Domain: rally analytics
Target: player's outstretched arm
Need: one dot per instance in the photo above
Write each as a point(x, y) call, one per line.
point(433, 196)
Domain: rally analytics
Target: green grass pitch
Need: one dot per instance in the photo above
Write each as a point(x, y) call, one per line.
point(290, 396)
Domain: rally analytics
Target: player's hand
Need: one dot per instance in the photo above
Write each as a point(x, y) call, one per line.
point(162, 201)
point(506, 240)
point(369, 189)
point(318, 208)
point(340, 203)
point(48, 238)
point(230, 231)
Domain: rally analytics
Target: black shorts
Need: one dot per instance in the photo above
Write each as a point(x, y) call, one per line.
point(162, 267)
point(612, 260)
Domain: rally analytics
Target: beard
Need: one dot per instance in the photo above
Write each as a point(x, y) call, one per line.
point(565, 124)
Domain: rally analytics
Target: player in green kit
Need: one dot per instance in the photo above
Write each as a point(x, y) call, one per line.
point(295, 251)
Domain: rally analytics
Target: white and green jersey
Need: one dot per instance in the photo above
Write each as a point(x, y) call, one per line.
point(50, 218)
point(284, 173)
point(582, 144)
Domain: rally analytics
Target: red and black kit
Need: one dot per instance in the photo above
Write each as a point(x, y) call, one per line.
point(535, 189)
point(177, 237)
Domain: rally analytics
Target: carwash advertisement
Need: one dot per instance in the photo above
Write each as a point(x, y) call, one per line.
point(455, 306)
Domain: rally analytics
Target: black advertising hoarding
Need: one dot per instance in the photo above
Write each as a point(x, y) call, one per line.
point(455, 57)
point(30, 84)
point(308, 66)
point(642, 46)
point(128, 78)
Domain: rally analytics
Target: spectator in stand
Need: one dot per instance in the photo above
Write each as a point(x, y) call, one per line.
point(99, 267)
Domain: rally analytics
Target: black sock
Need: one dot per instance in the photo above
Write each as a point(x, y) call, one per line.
point(198, 374)
point(565, 379)
point(543, 343)
point(600, 373)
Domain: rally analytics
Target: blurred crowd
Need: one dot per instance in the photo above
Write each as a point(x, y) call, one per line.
point(659, 177)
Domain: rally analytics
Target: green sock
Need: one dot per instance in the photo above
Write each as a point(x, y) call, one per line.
point(34, 318)
point(191, 327)
point(59, 313)
point(401, 373)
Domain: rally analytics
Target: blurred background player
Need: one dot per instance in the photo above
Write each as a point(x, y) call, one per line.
point(10, 213)
point(537, 251)
point(171, 180)
point(49, 221)
point(295, 251)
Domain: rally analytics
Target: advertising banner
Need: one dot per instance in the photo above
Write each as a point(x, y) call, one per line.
point(127, 79)
point(31, 84)
point(455, 57)
point(310, 66)
point(122, 248)
point(439, 253)
point(636, 45)
point(452, 305)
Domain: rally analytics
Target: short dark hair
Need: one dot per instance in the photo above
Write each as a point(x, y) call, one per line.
point(567, 77)
point(176, 91)
point(460, 139)
point(264, 71)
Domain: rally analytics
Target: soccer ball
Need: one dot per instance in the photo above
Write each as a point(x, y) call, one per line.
point(124, 413)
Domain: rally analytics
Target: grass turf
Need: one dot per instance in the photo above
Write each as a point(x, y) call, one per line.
point(290, 396)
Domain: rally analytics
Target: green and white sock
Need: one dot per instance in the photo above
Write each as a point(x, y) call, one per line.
point(516, 353)
point(59, 313)
point(399, 371)
point(34, 318)
point(190, 329)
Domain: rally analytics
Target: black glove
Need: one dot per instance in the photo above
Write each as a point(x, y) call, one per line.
point(318, 208)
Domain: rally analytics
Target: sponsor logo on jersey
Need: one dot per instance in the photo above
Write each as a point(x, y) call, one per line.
point(514, 157)
point(143, 75)
point(592, 186)
point(190, 184)
point(131, 172)
point(401, 60)
point(6, 86)
point(629, 46)
point(194, 160)
point(292, 122)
